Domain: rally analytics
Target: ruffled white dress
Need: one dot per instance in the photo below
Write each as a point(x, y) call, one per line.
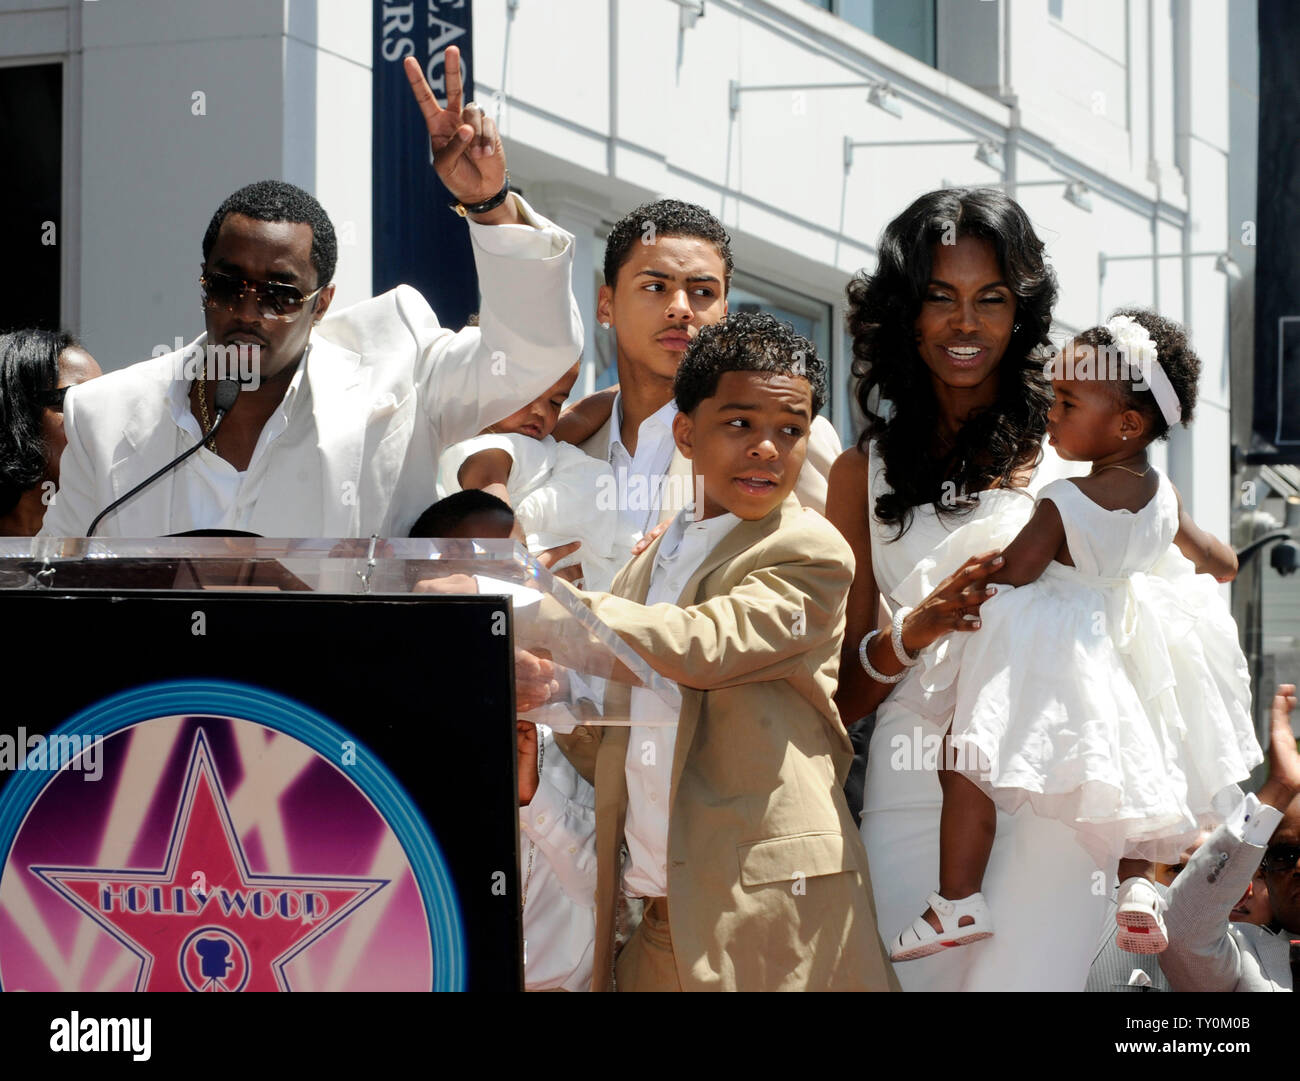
point(559, 494)
point(1040, 885)
point(1111, 695)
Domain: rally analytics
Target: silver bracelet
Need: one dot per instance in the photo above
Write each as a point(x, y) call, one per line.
point(900, 651)
point(867, 666)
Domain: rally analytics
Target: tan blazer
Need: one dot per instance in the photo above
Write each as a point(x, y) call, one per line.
point(767, 877)
point(823, 448)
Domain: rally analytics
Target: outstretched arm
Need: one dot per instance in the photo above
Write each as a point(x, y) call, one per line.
point(1210, 554)
point(488, 470)
point(1035, 546)
point(585, 418)
point(1203, 954)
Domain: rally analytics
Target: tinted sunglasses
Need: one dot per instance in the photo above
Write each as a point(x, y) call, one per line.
point(275, 300)
point(1280, 858)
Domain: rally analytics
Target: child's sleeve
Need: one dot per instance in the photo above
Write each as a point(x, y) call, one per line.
point(760, 630)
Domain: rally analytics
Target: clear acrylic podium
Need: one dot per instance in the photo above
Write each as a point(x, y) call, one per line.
point(238, 763)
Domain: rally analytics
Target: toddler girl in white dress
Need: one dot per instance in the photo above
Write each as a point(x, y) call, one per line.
point(1111, 692)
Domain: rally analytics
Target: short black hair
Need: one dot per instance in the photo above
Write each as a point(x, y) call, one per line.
point(1174, 355)
point(746, 342)
point(664, 217)
point(29, 366)
point(275, 200)
point(445, 516)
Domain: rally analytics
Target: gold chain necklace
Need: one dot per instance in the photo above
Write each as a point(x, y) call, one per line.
point(1123, 467)
point(204, 420)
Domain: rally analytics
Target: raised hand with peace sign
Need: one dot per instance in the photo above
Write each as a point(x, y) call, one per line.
point(467, 150)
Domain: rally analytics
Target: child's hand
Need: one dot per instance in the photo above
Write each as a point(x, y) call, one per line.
point(526, 746)
point(1283, 758)
point(954, 605)
point(535, 680)
point(552, 556)
point(650, 537)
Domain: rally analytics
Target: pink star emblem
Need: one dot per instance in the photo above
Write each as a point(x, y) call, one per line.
point(204, 921)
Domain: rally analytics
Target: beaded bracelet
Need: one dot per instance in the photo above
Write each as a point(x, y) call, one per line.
point(867, 666)
point(900, 651)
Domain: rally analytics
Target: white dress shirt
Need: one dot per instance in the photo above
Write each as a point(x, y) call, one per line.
point(558, 838)
point(211, 493)
point(640, 476)
point(653, 735)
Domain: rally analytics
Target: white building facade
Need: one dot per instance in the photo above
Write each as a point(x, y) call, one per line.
point(1108, 120)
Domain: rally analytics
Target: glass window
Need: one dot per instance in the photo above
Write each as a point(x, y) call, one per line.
point(905, 24)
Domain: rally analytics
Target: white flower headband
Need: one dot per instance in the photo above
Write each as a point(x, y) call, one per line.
point(1140, 350)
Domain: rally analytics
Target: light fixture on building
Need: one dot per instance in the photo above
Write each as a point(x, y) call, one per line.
point(986, 150)
point(691, 13)
point(1225, 264)
point(882, 96)
point(1078, 194)
point(988, 153)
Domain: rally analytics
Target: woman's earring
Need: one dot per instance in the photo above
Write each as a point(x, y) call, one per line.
point(605, 325)
point(1015, 328)
point(1124, 437)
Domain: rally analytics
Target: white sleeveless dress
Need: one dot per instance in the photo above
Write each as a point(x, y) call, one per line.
point(1042, 887)
point(1111, 695)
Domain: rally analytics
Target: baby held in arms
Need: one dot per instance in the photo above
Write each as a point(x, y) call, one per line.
point(1108, 689)
point(558, 493)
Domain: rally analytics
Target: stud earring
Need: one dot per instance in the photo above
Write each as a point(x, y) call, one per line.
point(605, 325)
point(1124, 437)
point(1015, 328)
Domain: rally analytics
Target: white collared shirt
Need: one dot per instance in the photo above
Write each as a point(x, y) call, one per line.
point(209, 492)
point(653, 736)
point(640, 477)
point(558, 843)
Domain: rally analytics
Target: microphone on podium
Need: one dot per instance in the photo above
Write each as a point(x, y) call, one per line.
point(224, 399)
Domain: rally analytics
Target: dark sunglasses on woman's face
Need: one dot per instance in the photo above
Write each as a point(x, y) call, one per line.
point(52, 399)
point(275, 300)
point(1281, 858)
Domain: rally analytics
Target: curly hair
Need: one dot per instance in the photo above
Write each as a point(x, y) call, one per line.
point(664, 217)
point(746, 342)
point(995, 442)
point(275, 200)
point(29, 366)
point(1175, 357)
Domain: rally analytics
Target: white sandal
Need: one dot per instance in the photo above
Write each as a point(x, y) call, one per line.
point(1141, 926)
point(921, 940)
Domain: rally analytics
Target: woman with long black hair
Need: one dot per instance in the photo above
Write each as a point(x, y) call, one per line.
point(948, 339)
point(36, 369)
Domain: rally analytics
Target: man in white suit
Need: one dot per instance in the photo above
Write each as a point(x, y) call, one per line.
point(1206, 952)
point(339, 432)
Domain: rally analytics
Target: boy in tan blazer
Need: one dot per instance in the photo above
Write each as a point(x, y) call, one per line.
point(725, 824)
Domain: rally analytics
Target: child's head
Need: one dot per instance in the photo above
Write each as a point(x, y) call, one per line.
point(667, 272)
point(747, 391)
point(471, 513)
point(537, 419)
point(1106, 399)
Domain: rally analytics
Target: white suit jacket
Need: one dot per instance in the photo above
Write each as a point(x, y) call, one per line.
point(388, 388)
point(1206, 952)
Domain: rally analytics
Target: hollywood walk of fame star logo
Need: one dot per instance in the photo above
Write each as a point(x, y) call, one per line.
point(205, 922)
